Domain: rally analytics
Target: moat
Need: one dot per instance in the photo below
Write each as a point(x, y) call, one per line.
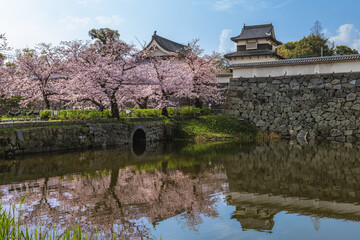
point(193, 191)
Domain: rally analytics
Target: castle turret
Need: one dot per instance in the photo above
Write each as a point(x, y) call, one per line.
point(255, 43)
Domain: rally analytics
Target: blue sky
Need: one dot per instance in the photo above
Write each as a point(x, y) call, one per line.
point(27, 22)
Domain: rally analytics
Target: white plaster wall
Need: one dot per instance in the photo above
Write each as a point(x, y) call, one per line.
point(239, 60)
point(303, 69)
point(222, 79)
point(159, 51)
point(259, 41)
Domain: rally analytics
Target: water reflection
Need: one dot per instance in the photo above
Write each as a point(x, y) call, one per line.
point(317, 180)
point(116, 190)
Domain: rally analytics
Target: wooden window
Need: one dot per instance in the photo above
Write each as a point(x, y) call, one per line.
point(251, 45)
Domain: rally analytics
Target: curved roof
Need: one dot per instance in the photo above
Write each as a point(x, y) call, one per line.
point(256, 32)
point(296, 61)
point(252, 53)
point(169, 45)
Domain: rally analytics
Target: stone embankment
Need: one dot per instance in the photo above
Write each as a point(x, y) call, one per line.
point(323, 106)
point(24, 138)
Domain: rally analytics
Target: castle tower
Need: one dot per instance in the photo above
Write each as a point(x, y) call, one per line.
point(255, 43)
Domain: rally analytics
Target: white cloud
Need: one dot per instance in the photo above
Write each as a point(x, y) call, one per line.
point(75, 23)
point(109, 20)
point(347, 35)
point(224, 4)
point(248, 5)
point(72, 23)
point(226, 44)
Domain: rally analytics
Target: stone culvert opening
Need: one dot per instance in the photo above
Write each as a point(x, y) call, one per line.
point(139, 142)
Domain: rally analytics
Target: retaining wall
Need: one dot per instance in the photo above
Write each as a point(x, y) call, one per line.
point(313, 106)
point(24, 138)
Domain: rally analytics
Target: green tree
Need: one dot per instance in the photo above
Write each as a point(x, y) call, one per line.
point(316, 30)
point(345, 50)
point(310, 46)
point(103, 34)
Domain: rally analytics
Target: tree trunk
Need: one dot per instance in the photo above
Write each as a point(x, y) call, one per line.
point(114, 108)
point(198, 103)
point(143, 103)
point(47, 102)
point(165, 112)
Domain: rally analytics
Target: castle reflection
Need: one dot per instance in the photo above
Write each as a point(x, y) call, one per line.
point(320, 180)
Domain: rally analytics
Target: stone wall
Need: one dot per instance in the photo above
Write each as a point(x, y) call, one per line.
point(313, 106)
point(45, 137)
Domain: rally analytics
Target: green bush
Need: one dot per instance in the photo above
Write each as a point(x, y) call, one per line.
point(173, 111)
point(189, 110)
point(141, 113)
point(46, 114)
point(76, 115)
point(73, 115)
point(205, 111)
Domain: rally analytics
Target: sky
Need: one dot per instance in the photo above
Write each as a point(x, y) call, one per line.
point(28, 22)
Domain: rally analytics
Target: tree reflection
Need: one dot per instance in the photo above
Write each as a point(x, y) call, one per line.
point(123, 201)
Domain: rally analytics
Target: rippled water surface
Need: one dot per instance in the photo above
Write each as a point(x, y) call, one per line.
point(186, 191)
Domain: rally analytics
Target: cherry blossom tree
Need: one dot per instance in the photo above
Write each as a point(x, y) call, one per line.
point(100, 72)
point(3, 42)
point(141, 96)
point(170, 80)
point(3, 46)
point(202, 71)
point(38, 76)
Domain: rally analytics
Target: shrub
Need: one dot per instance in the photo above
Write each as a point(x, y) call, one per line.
point(173, 111)
point(141, 113)
point(77, 115)
point(205, 111)
point(189, 110)
point(46, 114)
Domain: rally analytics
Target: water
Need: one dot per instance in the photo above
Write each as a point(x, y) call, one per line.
point(185, 191)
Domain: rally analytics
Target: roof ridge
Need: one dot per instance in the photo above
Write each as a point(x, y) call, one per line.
point(300, 60)
point(155, 36)
point(259, 25)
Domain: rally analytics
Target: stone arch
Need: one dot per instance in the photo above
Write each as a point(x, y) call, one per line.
point(139, 135)
point(138, 139)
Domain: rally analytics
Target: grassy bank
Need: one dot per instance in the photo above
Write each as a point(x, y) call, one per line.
point(218, 128)
point(215, 128)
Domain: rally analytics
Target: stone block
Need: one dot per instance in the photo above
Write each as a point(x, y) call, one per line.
point(335, 81)
point(355, 107)
point(260, 123)
point(348, 132)
point(337, 87)
point(328, 86)
point(276, 82)
point(335, 132)
point(351, 97)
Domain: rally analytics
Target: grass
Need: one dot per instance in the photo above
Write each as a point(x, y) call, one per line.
point(216, 127)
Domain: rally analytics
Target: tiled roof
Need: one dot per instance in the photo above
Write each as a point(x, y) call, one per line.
point(296, 61)
point(256, 32)
point(169, 45)
point(252, 53)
